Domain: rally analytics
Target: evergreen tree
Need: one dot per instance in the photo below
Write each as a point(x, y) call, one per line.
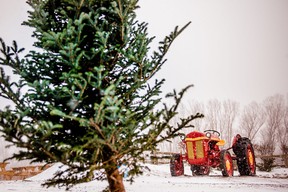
point(84, 97)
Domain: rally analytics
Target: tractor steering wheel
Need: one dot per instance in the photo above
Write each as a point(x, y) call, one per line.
point(212, 131)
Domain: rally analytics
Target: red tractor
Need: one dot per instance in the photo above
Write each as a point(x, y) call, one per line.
point(202, 151)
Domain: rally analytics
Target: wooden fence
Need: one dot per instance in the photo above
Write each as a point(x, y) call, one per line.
point(20, 173)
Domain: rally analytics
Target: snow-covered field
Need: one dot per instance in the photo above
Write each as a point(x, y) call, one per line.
point(158, 179)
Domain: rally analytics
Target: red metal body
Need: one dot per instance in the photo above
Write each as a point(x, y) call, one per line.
point(202, 150)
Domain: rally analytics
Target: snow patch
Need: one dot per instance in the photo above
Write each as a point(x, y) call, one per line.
point(158, 179)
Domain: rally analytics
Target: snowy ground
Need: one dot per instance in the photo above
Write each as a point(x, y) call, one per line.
point(159, 180)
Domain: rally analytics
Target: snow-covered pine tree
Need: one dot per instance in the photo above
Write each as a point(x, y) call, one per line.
point(88, 102)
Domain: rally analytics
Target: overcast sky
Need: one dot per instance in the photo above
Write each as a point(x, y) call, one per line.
point(234, 49)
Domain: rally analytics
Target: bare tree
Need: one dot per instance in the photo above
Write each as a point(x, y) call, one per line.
point(197, 107)
point(274, 109)
point(212, 115)
point(252, 119)
point(221, 116)
point(229, 112)
point(283, 135)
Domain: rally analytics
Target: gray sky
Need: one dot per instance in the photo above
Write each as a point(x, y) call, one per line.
point(234, 49)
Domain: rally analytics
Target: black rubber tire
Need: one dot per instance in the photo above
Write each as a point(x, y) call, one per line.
point(245, 156)
point(226, 163)
point(176, 165)
point(199, 170)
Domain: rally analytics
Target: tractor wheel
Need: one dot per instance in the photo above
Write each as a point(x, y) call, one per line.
point(226, 163)
point(176, 165)
point(200, 170)
point(245, 157)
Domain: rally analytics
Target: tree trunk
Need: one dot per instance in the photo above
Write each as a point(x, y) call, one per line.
point(115, 179)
